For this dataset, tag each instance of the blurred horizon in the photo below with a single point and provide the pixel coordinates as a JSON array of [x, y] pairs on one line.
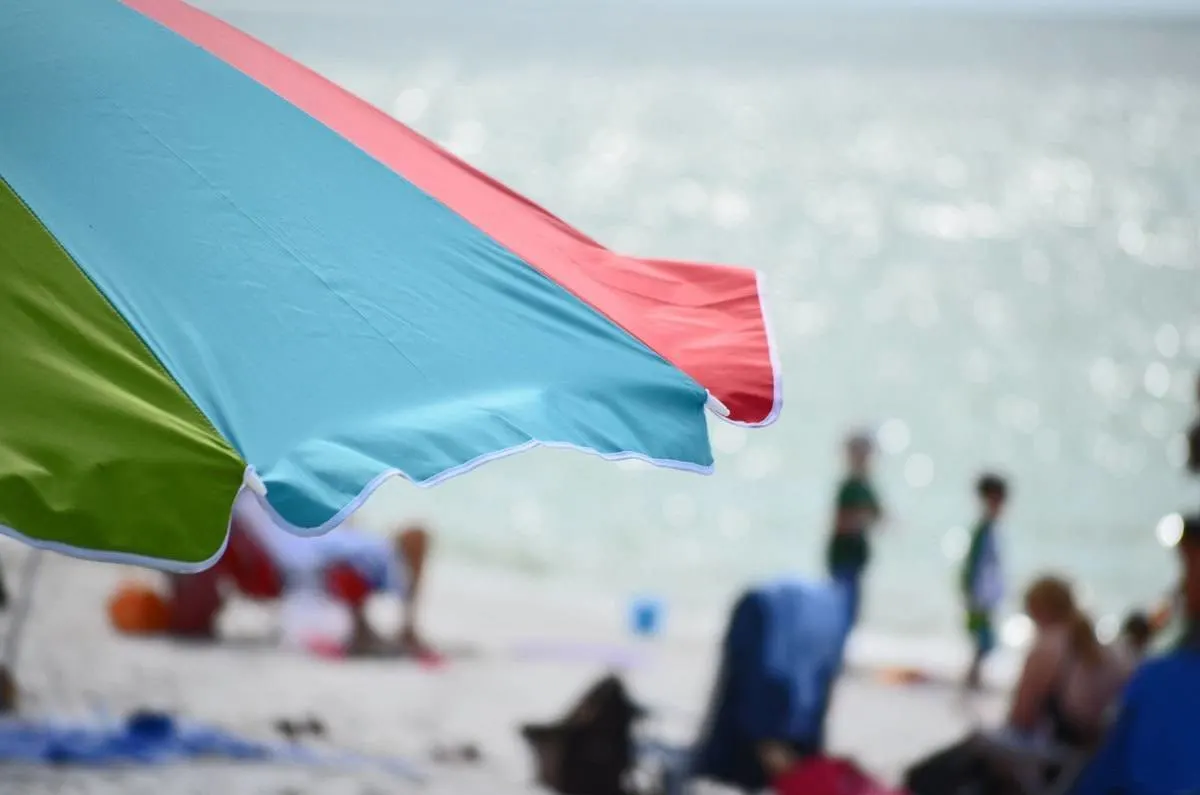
[[992, 7]]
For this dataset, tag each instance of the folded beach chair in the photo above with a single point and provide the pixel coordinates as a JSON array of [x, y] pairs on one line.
[[781, 654]]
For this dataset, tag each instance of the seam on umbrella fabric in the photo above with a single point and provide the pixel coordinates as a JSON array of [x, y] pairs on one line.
[[141, 341]]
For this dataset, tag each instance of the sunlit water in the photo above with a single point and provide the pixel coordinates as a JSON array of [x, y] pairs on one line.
[[981, 239]]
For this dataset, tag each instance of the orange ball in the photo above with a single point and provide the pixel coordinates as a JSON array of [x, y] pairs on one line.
[[137, 609]]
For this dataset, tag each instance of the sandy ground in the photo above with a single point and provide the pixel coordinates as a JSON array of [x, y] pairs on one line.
[[72, 664]]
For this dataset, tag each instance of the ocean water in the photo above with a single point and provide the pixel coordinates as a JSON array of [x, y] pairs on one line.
[[980, 236]]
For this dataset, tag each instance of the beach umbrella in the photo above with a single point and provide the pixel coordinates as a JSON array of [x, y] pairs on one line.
[[222, 272]]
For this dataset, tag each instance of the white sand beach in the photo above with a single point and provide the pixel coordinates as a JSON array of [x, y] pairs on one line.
[[72, 663]]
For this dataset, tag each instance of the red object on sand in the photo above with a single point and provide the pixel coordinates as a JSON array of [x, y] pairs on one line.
[[250, 568], [194, 603], [431, 660], [826, 776], [196, 598], [326, 649], [345, 584]]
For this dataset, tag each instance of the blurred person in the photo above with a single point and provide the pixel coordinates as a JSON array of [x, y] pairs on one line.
[[1193, 437], [1133, 641], [1166, 610], [1069, 679], [1153, 748], [1060, 708], [857, 512], [264, 561], [982, 579]]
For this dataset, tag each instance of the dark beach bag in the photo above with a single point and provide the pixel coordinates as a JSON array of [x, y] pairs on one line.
[[956, 770], [590, 751]]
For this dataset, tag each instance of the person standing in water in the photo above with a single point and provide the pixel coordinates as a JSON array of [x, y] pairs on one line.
[[982, 581], [857, 512], [1193, 437]]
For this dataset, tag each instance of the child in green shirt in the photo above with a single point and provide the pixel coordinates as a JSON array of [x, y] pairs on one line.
[[981, 580], [857, 512]]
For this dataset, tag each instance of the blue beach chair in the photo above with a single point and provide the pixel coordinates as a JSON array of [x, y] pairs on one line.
[[781, 655]]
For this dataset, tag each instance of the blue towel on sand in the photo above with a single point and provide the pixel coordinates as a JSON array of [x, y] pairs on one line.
[[149, 738], [141, 739], [782, 652]]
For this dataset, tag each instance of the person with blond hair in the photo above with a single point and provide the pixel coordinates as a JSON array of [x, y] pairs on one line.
[[1069, 680], [1059, 711]]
